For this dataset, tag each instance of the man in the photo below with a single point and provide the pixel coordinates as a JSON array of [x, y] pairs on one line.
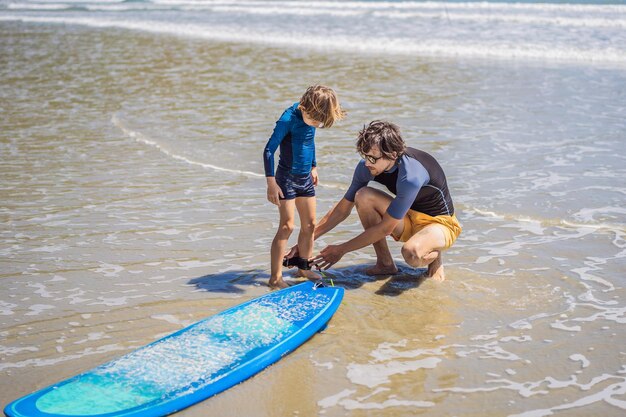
[[421, 214]]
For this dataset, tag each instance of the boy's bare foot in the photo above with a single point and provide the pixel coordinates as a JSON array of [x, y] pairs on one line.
[[435, 270], [381, 270], [278, 284], [308, 274]]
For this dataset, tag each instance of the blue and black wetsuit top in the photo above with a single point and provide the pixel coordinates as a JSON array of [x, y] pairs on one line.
[[297, 145], [417, 180]]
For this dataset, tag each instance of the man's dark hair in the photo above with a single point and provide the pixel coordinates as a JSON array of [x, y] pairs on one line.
[[385, 135]]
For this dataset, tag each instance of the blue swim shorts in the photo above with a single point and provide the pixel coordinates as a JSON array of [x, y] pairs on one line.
[[295, 185]]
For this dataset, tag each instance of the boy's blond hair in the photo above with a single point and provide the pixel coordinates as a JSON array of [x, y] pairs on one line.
[[322, 105]]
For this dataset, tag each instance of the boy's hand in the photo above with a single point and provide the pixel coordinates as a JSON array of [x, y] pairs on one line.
[[314, 176], [274, 193]]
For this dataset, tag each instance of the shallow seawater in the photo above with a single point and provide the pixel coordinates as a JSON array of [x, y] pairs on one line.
[[133, 204]]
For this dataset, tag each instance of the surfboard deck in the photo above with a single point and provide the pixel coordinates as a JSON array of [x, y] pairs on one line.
[[193, 363]]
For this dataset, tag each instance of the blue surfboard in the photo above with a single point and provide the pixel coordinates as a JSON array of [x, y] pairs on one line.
[[192, 364]]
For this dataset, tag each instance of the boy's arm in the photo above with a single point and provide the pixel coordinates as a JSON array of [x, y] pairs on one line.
[[315, 176], [274, 193], [280, 131]]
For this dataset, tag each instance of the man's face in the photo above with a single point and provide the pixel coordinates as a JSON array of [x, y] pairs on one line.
[[376, 162]]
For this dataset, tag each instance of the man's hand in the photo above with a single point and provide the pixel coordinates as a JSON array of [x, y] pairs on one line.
[[274, 193], [291, 253], [329, 256]]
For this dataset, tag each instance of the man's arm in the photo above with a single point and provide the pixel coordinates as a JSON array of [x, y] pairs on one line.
[[337, 214], [331, 254], [371, 234]]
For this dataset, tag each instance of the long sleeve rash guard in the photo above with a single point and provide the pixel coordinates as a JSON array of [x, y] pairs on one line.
[[297, 144]]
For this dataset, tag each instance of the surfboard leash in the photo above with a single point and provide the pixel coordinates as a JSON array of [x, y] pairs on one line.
[[332, 284], [303, 263]]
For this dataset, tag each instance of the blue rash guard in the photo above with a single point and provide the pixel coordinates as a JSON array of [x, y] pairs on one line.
[[417, 180], [297, 145]]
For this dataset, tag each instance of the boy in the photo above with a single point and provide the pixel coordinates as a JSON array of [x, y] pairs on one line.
[[292, 185]]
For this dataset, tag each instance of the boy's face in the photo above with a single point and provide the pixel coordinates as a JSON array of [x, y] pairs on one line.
[[311, 122], [376, 162]]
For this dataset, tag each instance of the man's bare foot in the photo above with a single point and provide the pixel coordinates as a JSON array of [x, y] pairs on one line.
[[435, 270], [381, 270], [278, 284], [308, 274]]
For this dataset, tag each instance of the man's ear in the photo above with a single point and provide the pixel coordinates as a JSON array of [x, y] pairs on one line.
[[395, 155]]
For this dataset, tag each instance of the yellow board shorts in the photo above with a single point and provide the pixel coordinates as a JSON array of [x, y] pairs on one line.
[[414, 221]]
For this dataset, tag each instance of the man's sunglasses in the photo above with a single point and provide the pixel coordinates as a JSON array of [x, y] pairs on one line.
[[371, 159]]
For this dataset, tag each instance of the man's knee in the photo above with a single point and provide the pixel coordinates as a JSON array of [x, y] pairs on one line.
[[416, 256], [363, 196], [411, 255], [369, 199]]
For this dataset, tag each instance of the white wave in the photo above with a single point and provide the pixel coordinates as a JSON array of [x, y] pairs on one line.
[[589, 214], [372, 375], [109, 270], [138, 136], [37, 309], [429, 47], [577, 357], [278, 10], [172, 319], [144, 139], [557, 20], [41, 7], [111, 6], [609, 16], [560, 326], [392, 402], [39, 362], [74, 1], [408, 5], [6, 351], [334, 399], [597, 226], [606, 394]]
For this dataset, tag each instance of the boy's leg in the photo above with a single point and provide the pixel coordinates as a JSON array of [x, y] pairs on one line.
[[279, 244], [424, 249], [371, 204], [306, 207]]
